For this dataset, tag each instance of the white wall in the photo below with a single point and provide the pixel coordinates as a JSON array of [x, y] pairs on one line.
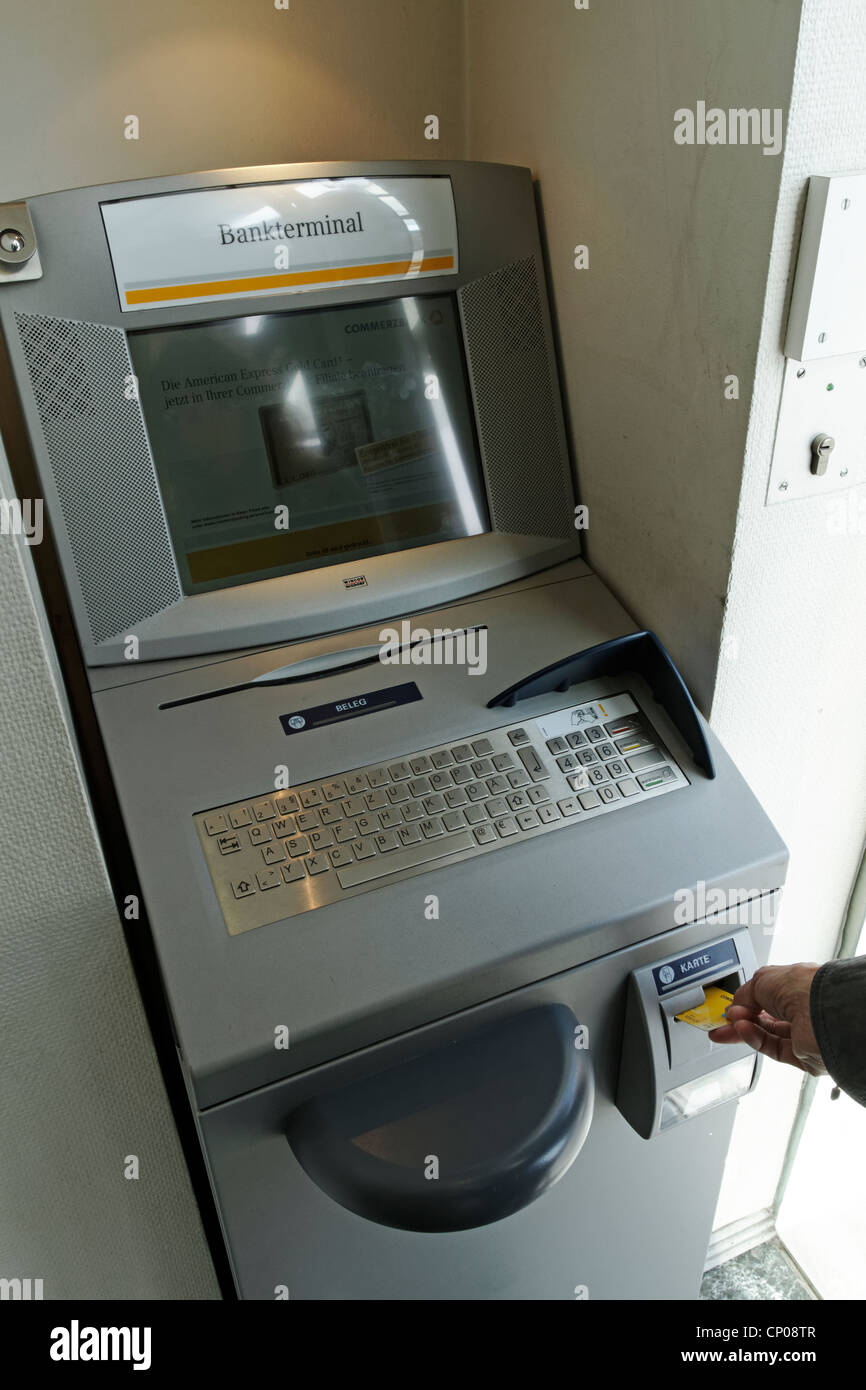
[[214, 84], [791, 691]]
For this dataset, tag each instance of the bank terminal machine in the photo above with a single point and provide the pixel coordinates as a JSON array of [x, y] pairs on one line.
[[433, 846]]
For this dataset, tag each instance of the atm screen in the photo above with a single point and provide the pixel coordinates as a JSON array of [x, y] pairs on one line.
[[285, 442]]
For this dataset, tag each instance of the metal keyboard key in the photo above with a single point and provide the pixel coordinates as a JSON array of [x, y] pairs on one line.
[[386, 840], [635, 744], [645, 760], [533, 764], [442, 759], [407, 858]]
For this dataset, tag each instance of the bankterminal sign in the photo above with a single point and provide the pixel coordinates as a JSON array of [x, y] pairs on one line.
[[230, 243]]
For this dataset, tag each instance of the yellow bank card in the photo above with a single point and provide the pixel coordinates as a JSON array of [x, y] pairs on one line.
[[710, 1014]]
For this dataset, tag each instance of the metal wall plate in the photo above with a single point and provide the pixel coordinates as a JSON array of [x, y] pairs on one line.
[[828, 302], [820, 397]]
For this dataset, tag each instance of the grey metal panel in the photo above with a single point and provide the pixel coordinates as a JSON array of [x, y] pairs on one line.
[[104, 677], [497, 226], [97, 447], [516, 400], [351, 974], [630, 1220]]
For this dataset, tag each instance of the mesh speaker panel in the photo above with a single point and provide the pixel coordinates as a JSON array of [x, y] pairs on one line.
[[516, 403], [100, 457]]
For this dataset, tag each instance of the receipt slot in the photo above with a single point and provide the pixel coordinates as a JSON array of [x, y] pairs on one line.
[[670, 1071]]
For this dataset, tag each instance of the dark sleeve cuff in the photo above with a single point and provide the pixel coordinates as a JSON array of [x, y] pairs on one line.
[[838, 1008]]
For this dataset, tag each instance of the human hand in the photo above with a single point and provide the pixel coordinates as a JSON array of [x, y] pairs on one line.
[[770, 1013]]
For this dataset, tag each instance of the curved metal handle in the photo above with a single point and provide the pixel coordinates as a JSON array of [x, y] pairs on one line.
[[638, 651], [459, 1136]]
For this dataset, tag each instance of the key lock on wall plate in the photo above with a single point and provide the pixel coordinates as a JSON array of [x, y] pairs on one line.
[[19, 256], [820, 442]]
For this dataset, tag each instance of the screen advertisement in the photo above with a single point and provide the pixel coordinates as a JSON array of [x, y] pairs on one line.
[[285, 442]]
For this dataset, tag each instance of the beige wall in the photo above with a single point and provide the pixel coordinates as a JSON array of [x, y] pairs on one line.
[[679, 241], [221, 83], [213, 84]]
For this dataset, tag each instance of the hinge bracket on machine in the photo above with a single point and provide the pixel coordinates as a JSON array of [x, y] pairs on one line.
[[638, 651]]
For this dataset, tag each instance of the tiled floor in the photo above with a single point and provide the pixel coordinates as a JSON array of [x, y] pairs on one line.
[[764, 1273]]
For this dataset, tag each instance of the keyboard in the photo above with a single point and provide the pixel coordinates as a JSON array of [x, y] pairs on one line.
[[282, 853]]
